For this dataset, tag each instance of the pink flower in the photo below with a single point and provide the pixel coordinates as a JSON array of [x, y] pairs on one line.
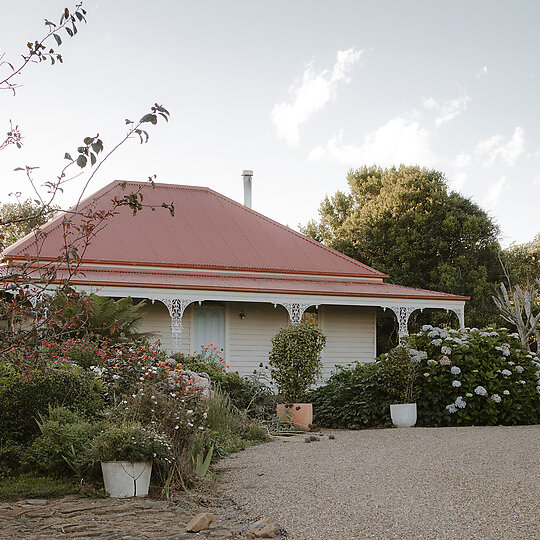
[[445, 361]]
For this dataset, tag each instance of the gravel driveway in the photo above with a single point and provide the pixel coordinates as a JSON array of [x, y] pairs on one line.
[[416, 483]]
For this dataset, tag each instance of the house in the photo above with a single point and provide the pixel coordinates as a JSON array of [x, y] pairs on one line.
[[219, 272]]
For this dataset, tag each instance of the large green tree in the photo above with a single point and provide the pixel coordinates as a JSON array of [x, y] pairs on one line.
[[19, 219], [522, 263], [407, 223]]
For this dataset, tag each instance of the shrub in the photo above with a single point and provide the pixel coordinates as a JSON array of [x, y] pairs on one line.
[[131, 442], [227, 429], [249, 394], [351, 398], [63, 446], [295, 361], [476, 377], [84, 353], [23, 397], [397, 372]]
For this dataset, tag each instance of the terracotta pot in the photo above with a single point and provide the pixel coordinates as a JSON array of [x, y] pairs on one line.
[[300, 414]]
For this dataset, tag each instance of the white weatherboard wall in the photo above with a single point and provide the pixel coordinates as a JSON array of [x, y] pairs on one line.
[[350, 335], [349, 330], [249, 339], [158, 321]]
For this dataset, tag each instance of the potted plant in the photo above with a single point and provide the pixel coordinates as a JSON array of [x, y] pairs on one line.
[[398, 370], [126, 453], [295, 363]]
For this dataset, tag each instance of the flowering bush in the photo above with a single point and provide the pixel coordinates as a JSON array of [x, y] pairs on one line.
[[476, 377], [83, 352], [131, 442]]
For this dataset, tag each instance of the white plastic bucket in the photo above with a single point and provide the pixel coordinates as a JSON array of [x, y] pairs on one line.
[[403, 414], [126, 479]]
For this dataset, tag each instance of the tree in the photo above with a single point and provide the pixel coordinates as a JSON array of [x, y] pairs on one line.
[[405, 222], [522, 263], [21, 219]]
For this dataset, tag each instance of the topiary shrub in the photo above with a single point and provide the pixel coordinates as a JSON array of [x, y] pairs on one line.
[[295, 361], [23, 397], [476, 377], [352, 398]]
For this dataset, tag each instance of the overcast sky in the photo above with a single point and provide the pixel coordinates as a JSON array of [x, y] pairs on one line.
[[298, 91]]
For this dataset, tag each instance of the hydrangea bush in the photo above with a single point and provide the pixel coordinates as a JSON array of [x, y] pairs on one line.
[[475, 377]]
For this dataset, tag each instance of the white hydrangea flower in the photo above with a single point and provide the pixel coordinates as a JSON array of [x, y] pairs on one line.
[[433, 333], [454, 370], [451, 408], [496, 398], [460, 402], [480, 391], [446, 350], [457, 340], [493, 334], [432, 362], [506, 372], [538, 389], [456, 384], [506, 392], [437, 342], [521, 381], [427, 328], [519, 369]]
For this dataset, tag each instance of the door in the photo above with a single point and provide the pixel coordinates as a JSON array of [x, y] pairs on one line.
[[209, 327]]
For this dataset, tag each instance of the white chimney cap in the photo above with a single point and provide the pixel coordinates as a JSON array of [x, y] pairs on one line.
[[247, 172]]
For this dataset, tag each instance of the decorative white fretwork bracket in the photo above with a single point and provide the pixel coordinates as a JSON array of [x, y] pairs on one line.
[[176, 307], [460, 312], [295, 310], [402, 315]]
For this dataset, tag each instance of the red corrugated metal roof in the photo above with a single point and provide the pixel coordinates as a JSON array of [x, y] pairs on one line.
[[208, 230], [241, 282]]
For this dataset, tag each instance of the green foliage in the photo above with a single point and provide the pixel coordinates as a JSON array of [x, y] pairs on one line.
[[476, 378], [407, 224], [227, 429], [23, 397], [131, 442], [397, 373], [63, 447], [201, 464], [522, 262], [32, 486], [295, 361], [351, 398], [95, 316], [248, 394], [19, 219]]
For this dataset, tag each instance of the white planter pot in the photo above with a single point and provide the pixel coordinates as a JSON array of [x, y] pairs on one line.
[[403, 414], [126, 479]]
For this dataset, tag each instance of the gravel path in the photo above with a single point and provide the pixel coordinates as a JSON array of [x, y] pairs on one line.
[[417, 483]]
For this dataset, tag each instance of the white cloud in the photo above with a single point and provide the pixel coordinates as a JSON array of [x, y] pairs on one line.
[[398, 141], [494, 148], [481, 72], [310, 94], [458, 180], [448, 109], [494, 193]]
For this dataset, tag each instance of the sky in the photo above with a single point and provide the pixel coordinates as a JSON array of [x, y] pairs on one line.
[[300, 92]]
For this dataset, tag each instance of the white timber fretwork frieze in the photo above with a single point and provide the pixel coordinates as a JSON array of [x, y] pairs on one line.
[[176, 307], [295, 310]]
